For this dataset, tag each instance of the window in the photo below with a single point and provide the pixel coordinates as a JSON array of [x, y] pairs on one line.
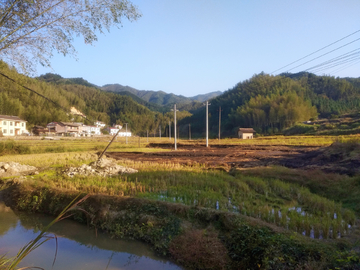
[[22, 124], [11, 131], [4, 131], [4, 122], [10, 123]]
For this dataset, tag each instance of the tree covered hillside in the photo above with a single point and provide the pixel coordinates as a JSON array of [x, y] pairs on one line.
[[272, 103], [94, 103]]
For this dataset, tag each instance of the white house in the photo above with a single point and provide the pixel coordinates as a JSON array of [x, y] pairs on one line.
[[123, 133], [112, 130], [246, 133], [12, 125], [90, 130], [99, 124]]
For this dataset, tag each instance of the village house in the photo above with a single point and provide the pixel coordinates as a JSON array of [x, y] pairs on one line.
[[12, 126], [64, 128], [90, 130], [246, 133], [39, 130], [114, 130], [99, 124]]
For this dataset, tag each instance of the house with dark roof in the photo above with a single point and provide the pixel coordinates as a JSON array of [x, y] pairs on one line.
[[12, 126], [246, 133], [64, 128]]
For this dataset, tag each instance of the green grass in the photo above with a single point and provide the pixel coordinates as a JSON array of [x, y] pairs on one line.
[[284, 204]]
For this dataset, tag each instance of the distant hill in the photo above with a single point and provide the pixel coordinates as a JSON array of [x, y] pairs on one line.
[[204, 97], [57, 79], [159, 97]]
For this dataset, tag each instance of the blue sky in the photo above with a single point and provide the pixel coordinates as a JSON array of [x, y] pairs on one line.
[[191, 47]]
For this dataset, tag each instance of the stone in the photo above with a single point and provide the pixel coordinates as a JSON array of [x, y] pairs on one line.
[[6, 166]]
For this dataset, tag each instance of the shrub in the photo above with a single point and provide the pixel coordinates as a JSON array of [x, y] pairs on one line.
[[11, 147]]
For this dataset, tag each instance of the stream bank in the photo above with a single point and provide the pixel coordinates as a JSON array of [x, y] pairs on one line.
[[197, 238]]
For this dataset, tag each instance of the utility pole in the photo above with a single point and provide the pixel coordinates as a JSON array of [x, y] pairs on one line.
[[219, 121], [169, 130], [160, 131], [207, 123], [175, 125], [126, 134], [189, 132]]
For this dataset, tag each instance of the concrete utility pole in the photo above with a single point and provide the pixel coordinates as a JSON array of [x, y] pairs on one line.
[[207, 123], [169, 130], [189, 132], [126, 135], [219, 121], [175, 125]]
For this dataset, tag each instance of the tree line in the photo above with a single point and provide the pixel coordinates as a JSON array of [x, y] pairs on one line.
[[270, 104]]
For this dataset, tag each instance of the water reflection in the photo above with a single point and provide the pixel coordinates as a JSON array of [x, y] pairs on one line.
[[78, 246]]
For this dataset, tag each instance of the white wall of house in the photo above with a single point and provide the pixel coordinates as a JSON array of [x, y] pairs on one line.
[[95, 130], [246, 135], [124, 134], [12, 127], [99, 124], [113, 131]]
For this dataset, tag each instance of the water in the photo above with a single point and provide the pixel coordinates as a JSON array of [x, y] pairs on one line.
[[78, 246]]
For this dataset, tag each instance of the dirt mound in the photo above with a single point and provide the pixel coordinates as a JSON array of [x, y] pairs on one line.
[[104, 167]]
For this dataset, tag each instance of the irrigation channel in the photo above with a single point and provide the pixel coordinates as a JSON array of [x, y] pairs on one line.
[[78, 246]]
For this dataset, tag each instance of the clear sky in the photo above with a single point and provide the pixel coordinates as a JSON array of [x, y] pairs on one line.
[[191, 47]]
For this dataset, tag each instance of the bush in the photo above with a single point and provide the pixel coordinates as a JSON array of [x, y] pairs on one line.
[[11, 147]]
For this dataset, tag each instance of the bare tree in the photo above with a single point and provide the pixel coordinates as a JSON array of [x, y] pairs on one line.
[[31, 30]]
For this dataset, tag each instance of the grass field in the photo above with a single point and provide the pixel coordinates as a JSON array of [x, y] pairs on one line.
[[312, 205]]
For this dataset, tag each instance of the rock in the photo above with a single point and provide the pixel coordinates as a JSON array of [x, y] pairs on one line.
[[104, 167], [5, 166]]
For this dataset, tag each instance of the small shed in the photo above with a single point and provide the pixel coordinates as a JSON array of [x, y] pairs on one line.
[[246, 133]]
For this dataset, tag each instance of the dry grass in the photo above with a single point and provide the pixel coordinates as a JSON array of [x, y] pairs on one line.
[[199, 248]]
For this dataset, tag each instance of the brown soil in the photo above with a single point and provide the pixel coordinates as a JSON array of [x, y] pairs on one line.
[[246, 156]]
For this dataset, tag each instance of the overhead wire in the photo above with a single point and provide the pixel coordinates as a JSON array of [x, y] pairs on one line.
[[48, 99], [345, 67], [335, 59], [315, 51], [324, 54]]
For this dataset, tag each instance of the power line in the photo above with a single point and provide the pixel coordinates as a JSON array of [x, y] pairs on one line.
[[350, 54], [349, 65], [337, 64], [48, 99], [324, 54], [315, 51]]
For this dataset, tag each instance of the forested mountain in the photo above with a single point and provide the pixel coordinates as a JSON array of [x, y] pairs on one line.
[[270, 104], [205, 97], [94, 103], [160, 97], [57, 79], [267, 103]]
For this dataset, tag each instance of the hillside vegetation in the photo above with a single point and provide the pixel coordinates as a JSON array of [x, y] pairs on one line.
[[65, 93], [271, 104]]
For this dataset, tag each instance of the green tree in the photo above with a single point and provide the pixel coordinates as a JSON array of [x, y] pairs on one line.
[[30, 30]]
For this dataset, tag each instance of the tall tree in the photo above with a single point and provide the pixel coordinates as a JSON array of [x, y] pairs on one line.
[[30, 30]]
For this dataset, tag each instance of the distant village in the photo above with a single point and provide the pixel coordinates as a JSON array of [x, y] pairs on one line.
[[14, 126]]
